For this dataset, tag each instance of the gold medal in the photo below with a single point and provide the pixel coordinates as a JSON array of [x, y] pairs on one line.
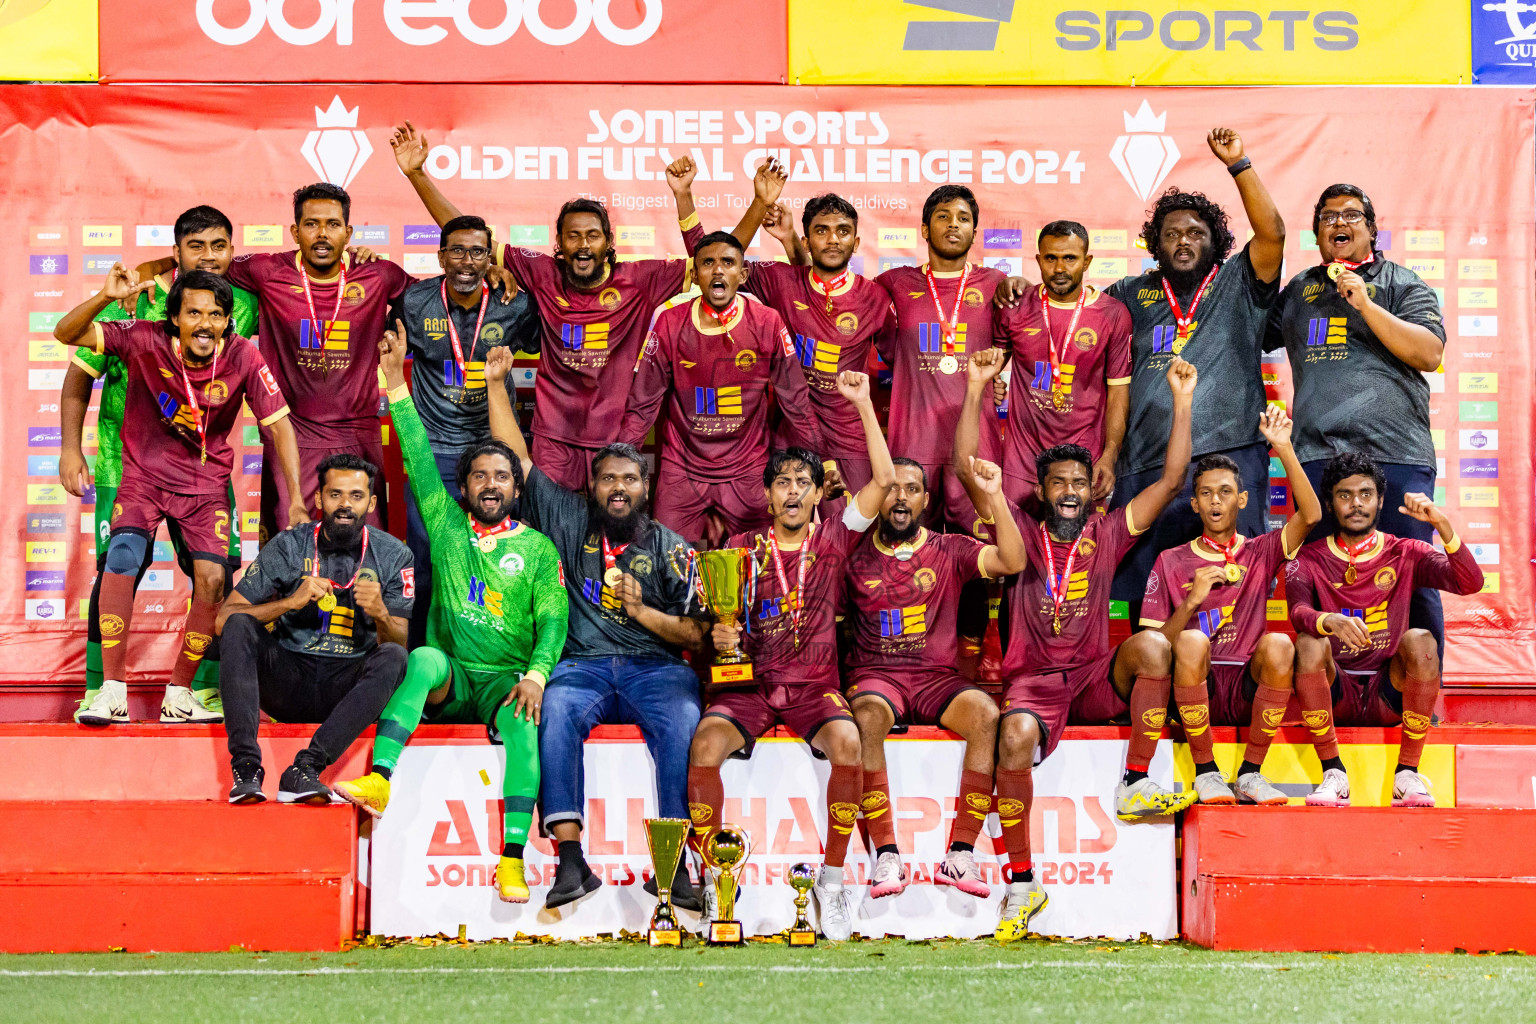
[[1060, 400], [903, 552], [949, 365], [1055, 625], [830, 308], [1349, 575], [327, 603], [487, 543], [613, 576], [1334, 270], [1234, 572]]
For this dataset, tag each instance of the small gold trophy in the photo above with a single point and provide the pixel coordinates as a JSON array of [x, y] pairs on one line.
[[723, 575], [725, 849], [801, 878], [666, 838]]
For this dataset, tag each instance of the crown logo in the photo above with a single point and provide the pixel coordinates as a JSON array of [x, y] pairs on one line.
[[336, 149], [1141, 121], [338, 116]]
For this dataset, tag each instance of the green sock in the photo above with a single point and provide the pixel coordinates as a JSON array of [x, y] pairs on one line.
[[207, 677], [93, 675], [520, 779], [426, 670]]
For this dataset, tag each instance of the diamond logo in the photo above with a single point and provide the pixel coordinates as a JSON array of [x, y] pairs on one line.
[[1144, 155], [336, 149]]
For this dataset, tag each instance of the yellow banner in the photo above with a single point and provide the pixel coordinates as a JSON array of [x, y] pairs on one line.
[[1147, 42], [48, 40]]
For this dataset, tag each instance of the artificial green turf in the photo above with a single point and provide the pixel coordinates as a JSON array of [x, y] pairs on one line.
[[888, 981]]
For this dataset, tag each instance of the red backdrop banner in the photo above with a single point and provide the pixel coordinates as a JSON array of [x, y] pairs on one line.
[[443, 41], [97, 174]]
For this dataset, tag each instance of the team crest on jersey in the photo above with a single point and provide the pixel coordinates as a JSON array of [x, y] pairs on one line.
[[609, 298], [1386, 578], [847, 323], [355, 293], [925, 579], [492, 334], [367, 575], [745, 360], [511, 563], [1086, 547], [1152, 583], [974, 298], [216, 392], [1085, 339], [641, 565]]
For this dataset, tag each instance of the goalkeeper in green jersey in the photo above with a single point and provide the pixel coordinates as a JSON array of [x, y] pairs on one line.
[[203, 241], [497, 627]]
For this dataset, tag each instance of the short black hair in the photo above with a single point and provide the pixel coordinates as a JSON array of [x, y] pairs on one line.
[[1173, 201], [347, 462], [1354, 192], [324, 191], [902, 460], [720, 238], [201, 218], [199, 281], [827, 202], [620, 450], [779, 458], [948, 193], [596, 208], [463, 222], [487, 446], [1351, 463], [1062, 453], [1213, 462], [1063, 229]]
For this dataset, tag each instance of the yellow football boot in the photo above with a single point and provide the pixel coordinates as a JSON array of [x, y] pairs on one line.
[[371, 793], [510, 885]]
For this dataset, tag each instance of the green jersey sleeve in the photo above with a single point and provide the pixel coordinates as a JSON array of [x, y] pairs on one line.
[[421, 466], [551, 611]]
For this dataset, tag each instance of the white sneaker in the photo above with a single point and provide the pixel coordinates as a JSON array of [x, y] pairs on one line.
[[834, 908], [109, 705], [1212, 788], [890, 878], [1410, 789], [959, 870], [179, 706], [1333, 791], [1254, 788]]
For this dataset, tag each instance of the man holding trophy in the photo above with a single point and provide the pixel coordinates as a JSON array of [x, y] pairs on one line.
[[795, 578]]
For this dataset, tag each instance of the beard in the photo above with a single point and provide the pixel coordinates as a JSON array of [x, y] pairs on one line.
[[1067, 528], [891, 536], [1185, 282], [340, 535], [618, 529], [507, 508]]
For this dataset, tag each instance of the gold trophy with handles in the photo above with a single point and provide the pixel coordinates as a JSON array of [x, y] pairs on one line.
[[724, 576], [801, 878], [725, 850], [666, 838]]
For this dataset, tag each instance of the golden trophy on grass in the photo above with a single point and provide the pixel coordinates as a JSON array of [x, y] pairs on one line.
[[725, 850], [724, 576], [801, 878], [667, 838]]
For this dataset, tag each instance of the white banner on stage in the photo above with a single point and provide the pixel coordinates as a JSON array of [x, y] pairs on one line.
[[434, 852]]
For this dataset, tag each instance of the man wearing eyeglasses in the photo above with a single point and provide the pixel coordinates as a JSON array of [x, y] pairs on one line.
[[451, 323], [1361, 333]]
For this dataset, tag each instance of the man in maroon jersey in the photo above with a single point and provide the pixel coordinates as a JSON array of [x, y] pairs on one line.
[[1058, 662], [1357, 661], [712, 361], [793, 645], [1070, 348], [321, 317], [1210, 598], [904, 587], [188, 377], [595, 312]]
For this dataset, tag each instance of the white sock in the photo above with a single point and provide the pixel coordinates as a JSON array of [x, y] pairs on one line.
[[1018, 888], [831, 875], [118, 683]]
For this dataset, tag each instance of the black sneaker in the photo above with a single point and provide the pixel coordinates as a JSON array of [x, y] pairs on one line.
[[684, 895], [573, 880], [247, 788], [301, 783]]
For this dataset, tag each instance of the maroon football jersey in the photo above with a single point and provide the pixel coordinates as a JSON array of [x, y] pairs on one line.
[[904, 611], [328, 365], [771, 641], [1084, 609], [925, 401], [826, 343], [1233, 615], [591, 338], [713, 383], [1386, 575], [1098, 355], [160, 437]]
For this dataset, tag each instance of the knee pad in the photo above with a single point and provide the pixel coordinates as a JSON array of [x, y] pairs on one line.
[[125, 553]]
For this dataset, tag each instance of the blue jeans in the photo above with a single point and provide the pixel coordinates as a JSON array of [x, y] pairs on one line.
[[659, 695], [421, 549], [1425, 610]]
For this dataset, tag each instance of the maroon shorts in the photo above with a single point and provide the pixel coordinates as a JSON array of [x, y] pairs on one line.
[[1366, 699], [916, 698], [805, 708], [684, 504], [203, 519], [1231, 688], [274, 488], [569, 465], [1082, 696]]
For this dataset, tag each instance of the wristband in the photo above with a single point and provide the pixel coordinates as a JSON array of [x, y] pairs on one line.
[[537, 677], [400, 393], [1239, 167], [1323, 630], [1453, 545]]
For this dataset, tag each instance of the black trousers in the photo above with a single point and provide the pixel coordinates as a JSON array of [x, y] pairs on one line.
[[345, 695]]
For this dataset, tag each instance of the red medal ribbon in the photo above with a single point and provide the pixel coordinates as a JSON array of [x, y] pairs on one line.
[[1056, 586], [1225, 550], [611, 554], [1356, 550], [1351, 264], [341, 291], [197, 412], [724, 319], [828, 287], [360, 556], [1179, 316], [1059, 355], [794, 607], [481, 531], [948, 324], [453, 332]]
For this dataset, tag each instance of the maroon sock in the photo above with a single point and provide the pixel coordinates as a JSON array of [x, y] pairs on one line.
[[1149, 709], [195, 640], [1418, 705], [115, 609], [706, 795], [879, 818], [1317, 712], [971, 810], [843, 791], [1015, 796], [1195, 714], [1268, 710]]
